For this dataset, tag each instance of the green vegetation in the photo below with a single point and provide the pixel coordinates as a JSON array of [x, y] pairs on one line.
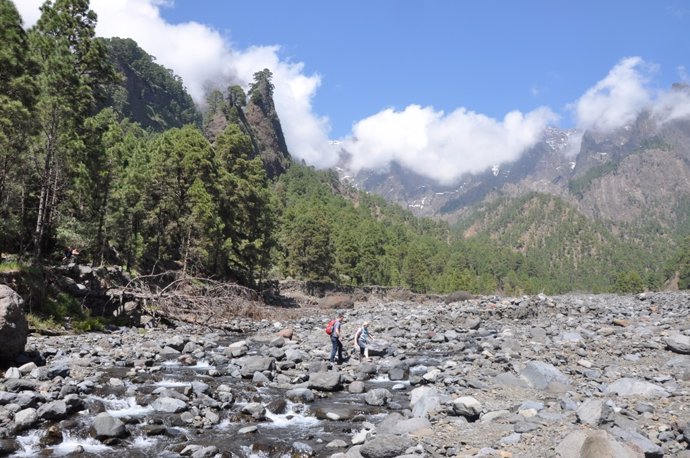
[[654, 143], [147, 93], [578, 185]]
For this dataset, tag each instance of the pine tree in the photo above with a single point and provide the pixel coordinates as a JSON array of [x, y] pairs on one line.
[[18, 93], [73, 66], [248, 207], [179, 183]]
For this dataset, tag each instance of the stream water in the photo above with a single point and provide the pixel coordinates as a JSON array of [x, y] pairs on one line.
[[296, 429]]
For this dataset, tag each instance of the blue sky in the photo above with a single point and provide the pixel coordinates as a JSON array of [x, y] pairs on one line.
[[488, 56], [444, 87]]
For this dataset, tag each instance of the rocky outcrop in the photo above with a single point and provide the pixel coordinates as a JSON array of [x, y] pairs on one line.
[[266, 128], [13, 325]]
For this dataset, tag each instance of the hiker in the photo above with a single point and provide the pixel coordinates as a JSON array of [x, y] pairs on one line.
[[362, 336], [67, 254], [335, 339]]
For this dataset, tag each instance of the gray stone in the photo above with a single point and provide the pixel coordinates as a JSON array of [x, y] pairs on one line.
[[16, 385], [25, 419], [593, 443], [13, 372], [58, 369], [396, 424], [356, 387], [325, 381], [468, 407], [511, 439], [27, 368], [8, 446], [255, 409], [377, 397], [14, 329], [525, 426], [539, 375], [633, 387], [637, 440], [386, 446], [176, 342], [425, 400], [300, 395], [105, 426], [679, 361], [169, 405], [593, 412], [678, 343], [400, 370], [295, 355], [54, 410], [253, 364]]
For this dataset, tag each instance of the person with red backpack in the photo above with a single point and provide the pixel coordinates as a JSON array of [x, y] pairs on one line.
[[334, 326]]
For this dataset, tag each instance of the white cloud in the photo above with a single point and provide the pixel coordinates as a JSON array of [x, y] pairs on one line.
[[202, 57], [617, 99], [624, 93], [442, 146], [683, 74], [672, 105], [439, 145]]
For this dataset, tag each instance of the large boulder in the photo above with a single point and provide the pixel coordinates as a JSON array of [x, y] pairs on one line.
[[14, 328]]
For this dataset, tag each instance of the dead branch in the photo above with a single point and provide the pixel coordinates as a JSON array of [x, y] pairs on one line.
[[201, 301]]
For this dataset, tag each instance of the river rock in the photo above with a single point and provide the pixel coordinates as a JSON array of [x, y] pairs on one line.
[[169, 405], [539, 375], [638, 441], [678, 343], [26, 418], [8, 446], [54, 410], [593, 443], [593, 412], [396, 424], [468, 407], [106, 427], [633, 387], [386, 446], [503, 363], [325, 381], [377, 397], [14, 328], [300, 395], [425, 400], [253, 364]]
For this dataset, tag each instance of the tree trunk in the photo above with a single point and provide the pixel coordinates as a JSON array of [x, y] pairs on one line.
[[43, 215], [100, 242]]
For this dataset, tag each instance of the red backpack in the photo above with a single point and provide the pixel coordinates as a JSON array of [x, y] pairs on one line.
[[329, 327]]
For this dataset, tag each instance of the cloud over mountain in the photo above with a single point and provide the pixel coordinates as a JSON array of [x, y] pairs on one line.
[[440, 145], [443, 146]]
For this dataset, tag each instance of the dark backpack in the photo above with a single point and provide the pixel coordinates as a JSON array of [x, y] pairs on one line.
[[329, 327]]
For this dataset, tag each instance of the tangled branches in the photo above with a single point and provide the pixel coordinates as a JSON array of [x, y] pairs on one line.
[[201, 301]]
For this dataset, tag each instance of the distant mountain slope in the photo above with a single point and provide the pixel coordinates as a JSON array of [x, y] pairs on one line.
[[149, 93], [634, 175], [622, 199]]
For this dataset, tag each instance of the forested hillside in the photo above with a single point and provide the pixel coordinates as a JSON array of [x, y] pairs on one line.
[[102, 149]]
